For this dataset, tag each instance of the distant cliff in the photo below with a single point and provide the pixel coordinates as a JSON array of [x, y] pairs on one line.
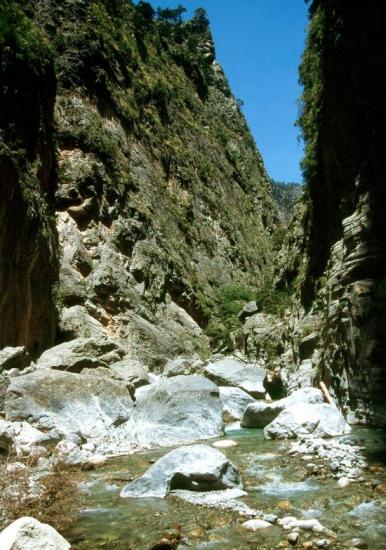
[[286, 196]]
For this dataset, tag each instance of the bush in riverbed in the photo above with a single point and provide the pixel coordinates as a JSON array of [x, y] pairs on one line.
[[50, 500]]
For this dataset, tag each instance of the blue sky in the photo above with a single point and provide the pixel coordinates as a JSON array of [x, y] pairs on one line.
[[259, 44]]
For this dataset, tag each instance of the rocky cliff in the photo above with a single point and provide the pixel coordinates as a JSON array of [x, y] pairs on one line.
[[337, 243], [123, 123]]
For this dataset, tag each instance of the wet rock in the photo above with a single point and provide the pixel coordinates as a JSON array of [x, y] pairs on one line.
[[29, 534], [76, 405], [359, 543], [293, 538], [230, 371], [305, 524], [195, 467], [381, 488], [322, 543], [177, 409], [234, 401], [320, 420], [14, 358], [272, 518], [81, 353], [260, 414], [256, 524]]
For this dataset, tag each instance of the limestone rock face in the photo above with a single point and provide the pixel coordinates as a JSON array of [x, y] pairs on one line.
[[29, 534], [177, 409], [195, 468], [74, 405], [260, 413], [81, 353], [230, 371], [318, 420]]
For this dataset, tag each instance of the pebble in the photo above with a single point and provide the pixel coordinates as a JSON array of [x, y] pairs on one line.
[[381, 488], [272, 518], [343, 482], [284, 505], [293, 538], [322, 543], [359, 543], [224, 444], [256, 524], [308, 545]]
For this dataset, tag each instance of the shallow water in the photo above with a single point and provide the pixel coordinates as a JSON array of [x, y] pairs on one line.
[[274, 482]]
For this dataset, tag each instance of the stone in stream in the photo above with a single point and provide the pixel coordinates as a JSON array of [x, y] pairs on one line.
[[260, 413], [230, 371], [75, 355], [256, 524], [318, 420], [76, 406], [176, 410], [195, 467], [234, 401], [224, 444], [27, 533]]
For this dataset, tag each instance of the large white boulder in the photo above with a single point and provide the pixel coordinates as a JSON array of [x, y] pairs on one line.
[[29, 534], [76, 405], [195, 468], [176, 410], [318, 420], [230, 371], [261, 413]]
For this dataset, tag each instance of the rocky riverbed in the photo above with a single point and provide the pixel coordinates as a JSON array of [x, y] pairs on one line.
[[174, 460], [294, 503]]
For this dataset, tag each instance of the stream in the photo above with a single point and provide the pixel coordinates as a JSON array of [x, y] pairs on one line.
[[275, 483]]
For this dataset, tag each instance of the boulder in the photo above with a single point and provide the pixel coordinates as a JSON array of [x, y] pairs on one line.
[[234, 401], [75, 355], [177, 409], [131, 371], [260, 413], [76, 405], [230, 371], [29, 534], [178, 366], [194, 468], [14, 358], [316, 419]]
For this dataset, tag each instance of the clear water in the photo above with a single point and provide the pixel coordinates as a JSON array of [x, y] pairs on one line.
[[274, 482]]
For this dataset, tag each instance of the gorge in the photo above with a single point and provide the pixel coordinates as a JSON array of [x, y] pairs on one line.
[[156, 294]]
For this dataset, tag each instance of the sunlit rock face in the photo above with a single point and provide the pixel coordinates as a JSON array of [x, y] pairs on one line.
[[159, 191]]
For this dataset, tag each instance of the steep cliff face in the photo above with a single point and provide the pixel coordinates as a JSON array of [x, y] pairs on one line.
[[338, 259], [28, 266], [161, 196]]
